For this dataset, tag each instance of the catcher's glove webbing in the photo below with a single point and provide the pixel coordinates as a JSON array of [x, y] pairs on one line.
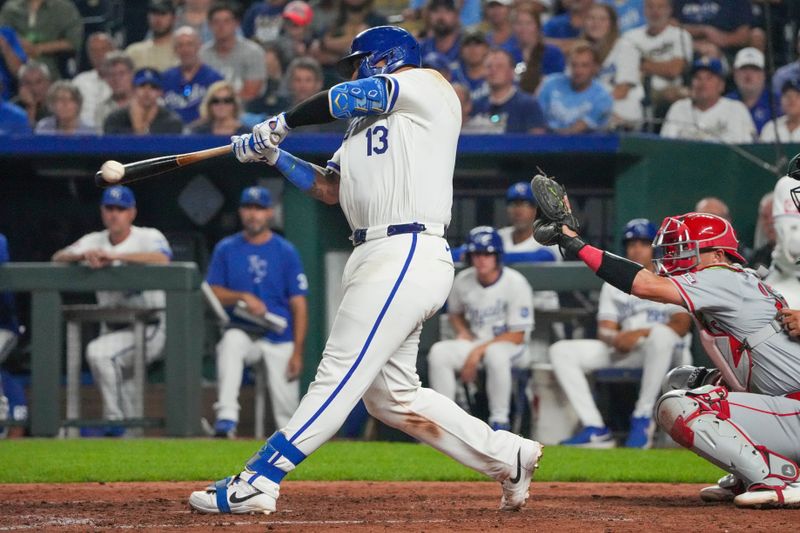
[[553, 213]]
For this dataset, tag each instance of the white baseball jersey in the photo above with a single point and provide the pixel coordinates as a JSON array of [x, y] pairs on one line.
[[734, 304], [505, 305], [727, 121], [631, 312], [140, 240], [621, 66], [784, 135], [671, 43], [787, 231], [398, 168]]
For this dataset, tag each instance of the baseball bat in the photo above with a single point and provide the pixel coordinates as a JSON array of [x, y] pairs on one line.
[[148, 168]]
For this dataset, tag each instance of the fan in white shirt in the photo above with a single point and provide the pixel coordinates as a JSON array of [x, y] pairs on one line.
[[786, 129]]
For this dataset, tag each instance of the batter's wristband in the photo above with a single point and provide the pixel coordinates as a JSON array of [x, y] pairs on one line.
[[299, 172]]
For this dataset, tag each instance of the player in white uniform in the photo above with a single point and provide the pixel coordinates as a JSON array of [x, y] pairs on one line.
[[392, 177], [743, 415], [784, 272], [110, 355], [632, 333], [491, 311]]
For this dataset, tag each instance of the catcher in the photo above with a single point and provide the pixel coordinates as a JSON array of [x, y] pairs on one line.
[[744, 415]]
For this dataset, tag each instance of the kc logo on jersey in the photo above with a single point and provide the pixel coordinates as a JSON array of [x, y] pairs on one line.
[[258, 268]]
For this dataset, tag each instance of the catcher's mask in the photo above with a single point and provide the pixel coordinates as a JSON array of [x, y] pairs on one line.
[[680, 240]]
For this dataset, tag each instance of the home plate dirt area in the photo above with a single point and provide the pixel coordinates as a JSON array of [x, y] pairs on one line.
[[371, 506]]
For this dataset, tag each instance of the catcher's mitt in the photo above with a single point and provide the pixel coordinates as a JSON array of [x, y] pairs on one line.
[[553, 207]]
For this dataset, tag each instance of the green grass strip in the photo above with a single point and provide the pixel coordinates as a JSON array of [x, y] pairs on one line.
[[64, 461]]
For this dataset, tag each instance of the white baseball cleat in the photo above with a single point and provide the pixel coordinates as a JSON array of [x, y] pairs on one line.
[[726, 489], [765, 498], [233, 495], [515, 487]]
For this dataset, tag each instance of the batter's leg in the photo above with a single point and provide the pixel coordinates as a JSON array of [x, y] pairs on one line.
[[445, 359], [284, 395], [235, 350]]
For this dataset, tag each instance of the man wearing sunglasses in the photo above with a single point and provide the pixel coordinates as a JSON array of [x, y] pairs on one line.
[[110, 355]]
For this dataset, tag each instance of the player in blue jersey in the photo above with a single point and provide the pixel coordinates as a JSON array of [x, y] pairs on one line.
[[264, 271]]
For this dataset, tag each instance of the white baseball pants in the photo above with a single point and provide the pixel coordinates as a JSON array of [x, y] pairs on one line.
[[237, 349], [446, 358], [110, 358], [391, 286], [572, 360]]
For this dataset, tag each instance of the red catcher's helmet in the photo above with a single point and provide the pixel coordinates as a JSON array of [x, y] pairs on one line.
[[680, 240]]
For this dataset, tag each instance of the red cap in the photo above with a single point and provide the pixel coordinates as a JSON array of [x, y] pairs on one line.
[[298, 12]]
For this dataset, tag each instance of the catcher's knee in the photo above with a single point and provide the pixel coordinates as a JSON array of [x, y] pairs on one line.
[[673, 412]]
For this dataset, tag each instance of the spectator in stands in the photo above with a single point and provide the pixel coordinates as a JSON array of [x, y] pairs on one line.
[[220, 112], [239, 60], [717, 26], [785, 129], [51, 31], [498, 14], [564, 29], [90, 83], [787, 72], [440, 64], [117, 71], [263, 270], [34, 82], [274, 99], [619, 71], [144, 115], [575, 102], [296, 35], [12, 56], [445, 31], [157, 52], [714, 206], [185, 86], [630, 13], [13, 119], [491, 311], [194, 13], [469, 12], [64, 101], [263, 20], [110, 356], [631, 333], [505, 109], [353, 17], [471, 71], [535, 58], [666, 51], [751, 87], [706, 114], [462, 91]]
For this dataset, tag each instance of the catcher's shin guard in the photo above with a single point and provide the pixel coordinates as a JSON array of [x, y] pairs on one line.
[[699, 419]]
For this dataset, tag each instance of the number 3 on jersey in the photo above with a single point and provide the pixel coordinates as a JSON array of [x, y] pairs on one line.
[[377, 140]]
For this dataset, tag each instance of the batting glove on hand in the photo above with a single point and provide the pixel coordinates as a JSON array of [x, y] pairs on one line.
[[271, 132], [244, 150]]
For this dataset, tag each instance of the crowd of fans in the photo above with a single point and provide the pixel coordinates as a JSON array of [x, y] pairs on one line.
[[696, 69]]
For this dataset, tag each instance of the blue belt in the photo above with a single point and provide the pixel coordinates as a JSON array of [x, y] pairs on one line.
[[360, 235]]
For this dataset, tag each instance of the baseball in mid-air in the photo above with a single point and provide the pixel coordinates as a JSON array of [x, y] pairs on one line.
[[112, 171]]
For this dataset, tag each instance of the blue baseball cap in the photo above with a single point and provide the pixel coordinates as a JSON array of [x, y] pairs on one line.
[[520, 191], [713, 65], [147, 76], [256, 195], [119, 196]]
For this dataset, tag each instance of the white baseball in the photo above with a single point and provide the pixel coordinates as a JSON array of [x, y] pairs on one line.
[[112, 171]]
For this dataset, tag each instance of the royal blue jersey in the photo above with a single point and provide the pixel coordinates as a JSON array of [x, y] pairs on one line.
[[8, 314], [725, 15], [761, 110], [184, 97], [8, 79], [560, 27], [519, 114], [272, 271]]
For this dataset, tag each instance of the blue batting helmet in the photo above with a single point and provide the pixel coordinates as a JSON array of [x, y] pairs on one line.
[[484, 239], [520, 191], [391, 44], [639, 229]]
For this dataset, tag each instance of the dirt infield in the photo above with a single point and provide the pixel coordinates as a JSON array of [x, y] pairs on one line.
[[318, 506]]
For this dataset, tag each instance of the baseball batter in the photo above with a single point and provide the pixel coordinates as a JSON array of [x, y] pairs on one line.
[[491, 311], [632, 333], [743, 416], [110, 355], [392, 177], [264, 271]]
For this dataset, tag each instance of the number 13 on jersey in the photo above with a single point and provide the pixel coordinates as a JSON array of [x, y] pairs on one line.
[[377, 140]]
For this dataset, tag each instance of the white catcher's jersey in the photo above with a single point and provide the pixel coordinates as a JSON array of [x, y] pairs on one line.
[[631, 312], [505, 305], [140, 240], [397, 168], [735, 303]]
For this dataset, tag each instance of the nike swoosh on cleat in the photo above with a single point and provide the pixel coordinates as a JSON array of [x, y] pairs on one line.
[[512, 479], [237, 499]]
